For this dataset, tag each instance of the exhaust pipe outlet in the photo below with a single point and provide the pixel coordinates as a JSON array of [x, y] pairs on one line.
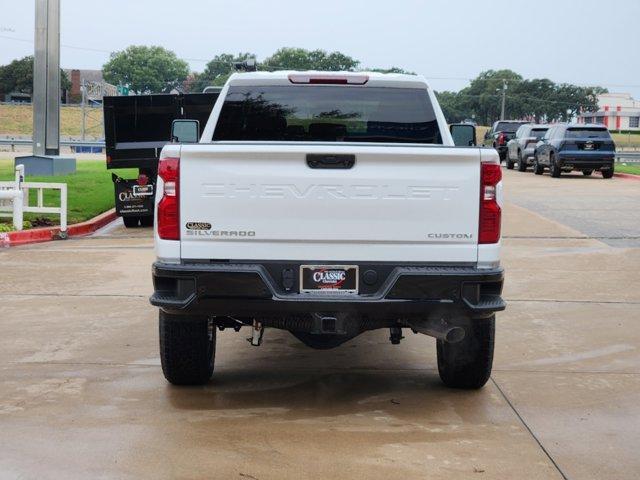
[[439, 329]]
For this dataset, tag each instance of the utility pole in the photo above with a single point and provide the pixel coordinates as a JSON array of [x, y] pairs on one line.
[[504, 97], [46, 79], [46, 96]]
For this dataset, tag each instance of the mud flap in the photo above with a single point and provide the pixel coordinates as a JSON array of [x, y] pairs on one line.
[[132, 199]]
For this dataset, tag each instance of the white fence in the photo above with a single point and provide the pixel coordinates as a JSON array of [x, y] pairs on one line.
[[14, 200]]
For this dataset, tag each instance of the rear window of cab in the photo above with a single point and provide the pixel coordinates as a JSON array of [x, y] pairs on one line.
[[327, 113]]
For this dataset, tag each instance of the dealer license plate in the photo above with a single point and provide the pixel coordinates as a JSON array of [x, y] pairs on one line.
[[329, 279]]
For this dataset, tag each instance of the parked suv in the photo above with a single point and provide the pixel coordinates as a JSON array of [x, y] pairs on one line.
[[500, 133], [567, 147], [521, 148]]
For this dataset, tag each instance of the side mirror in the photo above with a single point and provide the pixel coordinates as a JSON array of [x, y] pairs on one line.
[[464, 134], [185, 131]]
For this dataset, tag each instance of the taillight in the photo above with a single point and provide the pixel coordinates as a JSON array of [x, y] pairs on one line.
[[502, 139], [169, 206], [142, 179], [328, 79], [490, 212]]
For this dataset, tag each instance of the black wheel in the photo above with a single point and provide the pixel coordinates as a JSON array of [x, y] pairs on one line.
[[522, 163], [586, 173], [510, 164], [187, 348], [555, 168], [146, 221], [131, 222], [467, 364], [607, 173], [537, 168]]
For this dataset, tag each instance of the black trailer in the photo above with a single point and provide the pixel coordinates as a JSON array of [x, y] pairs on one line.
[[136, 128]]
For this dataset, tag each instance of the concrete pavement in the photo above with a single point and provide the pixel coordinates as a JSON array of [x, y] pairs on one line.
[[82, 394]]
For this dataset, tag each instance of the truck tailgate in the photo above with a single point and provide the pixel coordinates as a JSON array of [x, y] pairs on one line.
[[262, 201]]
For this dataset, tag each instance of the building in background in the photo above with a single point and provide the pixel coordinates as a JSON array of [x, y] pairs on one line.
[[76, 77], [617, 111]]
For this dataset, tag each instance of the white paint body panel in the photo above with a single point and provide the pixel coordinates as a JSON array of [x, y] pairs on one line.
[[398, 203]]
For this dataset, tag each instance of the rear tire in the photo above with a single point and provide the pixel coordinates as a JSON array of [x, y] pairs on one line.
[[467, 364], [146, 221], [510, 163], [607, 173], [555, 168], [522, 164], [537, 168], [187, 348], [131, 222], [586, 173]]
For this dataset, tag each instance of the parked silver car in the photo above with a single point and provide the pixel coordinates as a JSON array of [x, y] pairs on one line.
[[520, 149]]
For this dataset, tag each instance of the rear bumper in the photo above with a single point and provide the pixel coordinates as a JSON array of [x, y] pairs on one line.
[[267, 288], [584, 161]]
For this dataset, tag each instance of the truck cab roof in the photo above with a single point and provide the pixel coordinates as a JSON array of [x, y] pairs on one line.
[[363, 79]]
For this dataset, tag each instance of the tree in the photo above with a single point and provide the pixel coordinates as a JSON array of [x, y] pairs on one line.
[[539, 100], [483, 96], [146, 69], [17, 76], [301, 59], [452, 108], [572, 99], [535, 97], [218, 70]]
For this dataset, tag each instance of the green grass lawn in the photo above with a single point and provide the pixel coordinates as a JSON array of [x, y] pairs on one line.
[[89, 190], [633, 169]]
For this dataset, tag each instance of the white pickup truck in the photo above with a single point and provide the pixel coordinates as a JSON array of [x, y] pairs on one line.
[[327, 204]]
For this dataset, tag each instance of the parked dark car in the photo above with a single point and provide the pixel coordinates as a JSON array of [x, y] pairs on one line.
[[520, 149], [567, 147], [500, 133]]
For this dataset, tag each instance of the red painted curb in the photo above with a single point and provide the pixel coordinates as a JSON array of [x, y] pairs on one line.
[[46, 234], [627, 176], [90, 226]]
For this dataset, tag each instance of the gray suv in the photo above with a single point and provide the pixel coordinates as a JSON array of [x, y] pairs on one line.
[[521, 149]]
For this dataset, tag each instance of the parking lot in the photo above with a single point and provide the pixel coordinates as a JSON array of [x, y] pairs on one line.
[[82, 394]]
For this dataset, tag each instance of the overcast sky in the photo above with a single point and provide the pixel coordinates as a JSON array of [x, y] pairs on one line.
[[448, 41]]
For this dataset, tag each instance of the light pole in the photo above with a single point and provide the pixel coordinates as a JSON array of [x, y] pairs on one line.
[[46, 96], [46, 79], [504, 96]]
